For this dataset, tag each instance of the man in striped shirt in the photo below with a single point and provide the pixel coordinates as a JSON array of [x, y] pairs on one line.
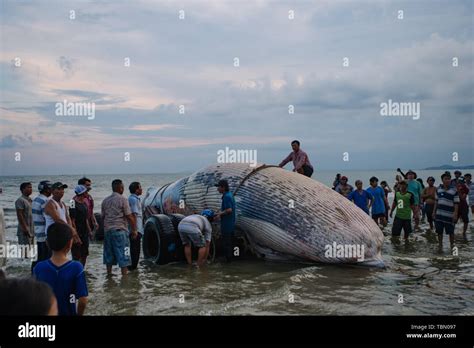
[[39, 221], [446, 209]]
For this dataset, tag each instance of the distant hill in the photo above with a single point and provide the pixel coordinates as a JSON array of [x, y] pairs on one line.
[[446, 166]]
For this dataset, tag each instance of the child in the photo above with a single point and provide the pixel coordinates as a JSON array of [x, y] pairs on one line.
[[65, 277]]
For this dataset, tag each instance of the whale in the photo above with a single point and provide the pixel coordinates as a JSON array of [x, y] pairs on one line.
[[283, 215]]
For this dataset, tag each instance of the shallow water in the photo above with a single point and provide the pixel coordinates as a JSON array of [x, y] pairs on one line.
[[429, 281]]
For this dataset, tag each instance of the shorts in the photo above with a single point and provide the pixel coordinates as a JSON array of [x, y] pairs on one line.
[[379, 215], [117, 248], [429, 212], [195, 238], [447, 226], [307, 171], [464, 213], [397, 226]]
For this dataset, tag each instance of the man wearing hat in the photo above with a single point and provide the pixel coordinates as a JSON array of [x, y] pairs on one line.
[[38, 205], [415, 188], [227, 216], [80, 220], [56, 211]]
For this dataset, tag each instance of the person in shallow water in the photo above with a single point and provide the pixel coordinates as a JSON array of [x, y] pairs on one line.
[[227, 216], [429, 198], [44, 188], [196, 230], [446, 209], [361, 197], [117, 217], [66, 277], [80, 221], [403, 202], [135, 203], [25, 230], [379, 203], [415, 188], [300, 160]]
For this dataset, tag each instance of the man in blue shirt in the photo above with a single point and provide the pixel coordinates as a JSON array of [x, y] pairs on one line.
[[227, 216], [136, 208], [379, 202], [361, 197], [64, 276]]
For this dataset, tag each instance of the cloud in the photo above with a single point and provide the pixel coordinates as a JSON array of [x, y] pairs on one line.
[[15, 141]]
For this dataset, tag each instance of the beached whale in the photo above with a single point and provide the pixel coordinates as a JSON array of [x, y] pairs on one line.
[[283, 216]]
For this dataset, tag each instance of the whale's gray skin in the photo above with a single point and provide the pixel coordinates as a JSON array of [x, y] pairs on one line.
[[284, 215]]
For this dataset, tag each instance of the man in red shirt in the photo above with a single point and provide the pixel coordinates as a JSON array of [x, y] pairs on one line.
[[300, 160]]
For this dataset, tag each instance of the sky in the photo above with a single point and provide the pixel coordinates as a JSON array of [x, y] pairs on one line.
[[335, 62]]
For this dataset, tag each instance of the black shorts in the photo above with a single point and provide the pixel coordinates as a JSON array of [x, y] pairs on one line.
[[380, 215], [447, 226], [307, 171], [398, 225], [429, 212]]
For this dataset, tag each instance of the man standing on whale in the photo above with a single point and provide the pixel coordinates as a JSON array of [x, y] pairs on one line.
[[300, 160]]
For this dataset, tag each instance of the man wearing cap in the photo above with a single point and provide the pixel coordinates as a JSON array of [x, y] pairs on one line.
[[25, 230], [429, 197], [80, 221], [446, 209], [300, 160], [415, 188], [196, 230], [56, 211], [44, 253], [344, 188], [89, 201], [227, 216]]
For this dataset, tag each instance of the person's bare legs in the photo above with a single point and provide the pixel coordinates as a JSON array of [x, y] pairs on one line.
[[451, 241], [187, 253], [124, 270], [207, 249], [201, 256], [109, 269]]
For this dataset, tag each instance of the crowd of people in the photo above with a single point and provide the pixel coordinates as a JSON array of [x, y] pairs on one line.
[[442, 206], [59, 229]]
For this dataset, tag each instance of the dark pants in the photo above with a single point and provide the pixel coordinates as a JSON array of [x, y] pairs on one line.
[[307, 171], [227, 246], [135, 251], [44, 253]]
